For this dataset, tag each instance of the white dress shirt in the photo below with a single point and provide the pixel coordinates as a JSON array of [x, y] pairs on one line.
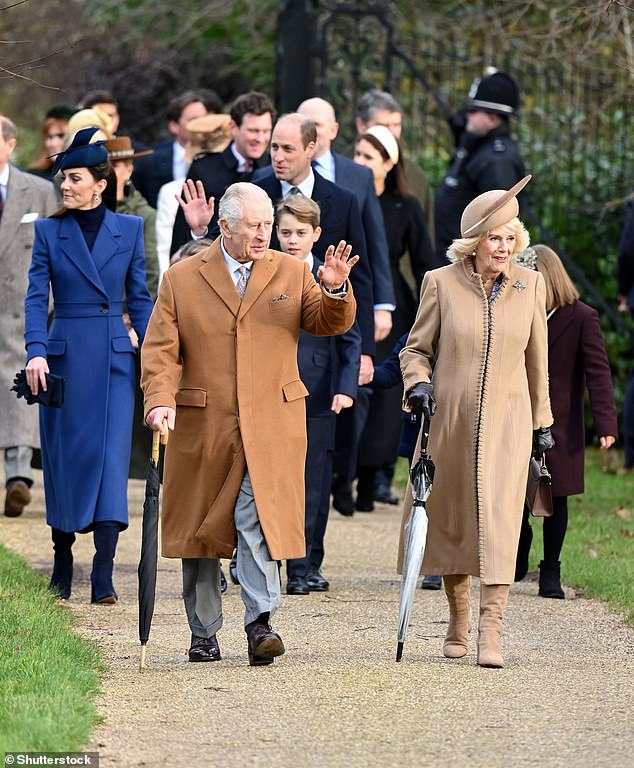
[[305, 187], [179, 162]]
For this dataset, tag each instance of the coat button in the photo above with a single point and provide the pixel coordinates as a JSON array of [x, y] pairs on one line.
[[104, 309]]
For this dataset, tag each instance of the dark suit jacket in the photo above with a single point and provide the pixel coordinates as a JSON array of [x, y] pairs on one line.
[[152, 171], [340, 220], [217, 171], [328, 365], [576, 360], [359, 180]]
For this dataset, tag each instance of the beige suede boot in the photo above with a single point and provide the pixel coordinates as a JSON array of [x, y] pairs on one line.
[[457, 589], [493, 599]]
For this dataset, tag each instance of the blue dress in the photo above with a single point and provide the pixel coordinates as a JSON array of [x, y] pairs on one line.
[[86, 442]]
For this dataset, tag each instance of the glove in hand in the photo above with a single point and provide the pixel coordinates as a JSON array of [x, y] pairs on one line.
[[421, 399], [543, 441], [54, 395]]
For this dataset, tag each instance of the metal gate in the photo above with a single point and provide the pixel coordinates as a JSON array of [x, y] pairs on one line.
[[574, 127]]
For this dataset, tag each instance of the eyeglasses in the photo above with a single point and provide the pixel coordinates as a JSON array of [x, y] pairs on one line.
[[56, 135]]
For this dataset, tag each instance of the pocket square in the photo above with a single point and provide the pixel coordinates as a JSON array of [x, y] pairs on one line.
[[281, 297], [29, 218], [54, 395]]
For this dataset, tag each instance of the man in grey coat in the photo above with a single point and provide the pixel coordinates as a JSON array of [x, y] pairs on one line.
[[23, 199]]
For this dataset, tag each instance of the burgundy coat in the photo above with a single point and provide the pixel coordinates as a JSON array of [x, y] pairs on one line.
[[576, 359]]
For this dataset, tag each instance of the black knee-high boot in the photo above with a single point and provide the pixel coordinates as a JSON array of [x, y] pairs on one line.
[[106, 536], [62, 576]]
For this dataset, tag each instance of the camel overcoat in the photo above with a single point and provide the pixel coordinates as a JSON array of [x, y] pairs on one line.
[[229, 367], [490, 377], [29, 198]]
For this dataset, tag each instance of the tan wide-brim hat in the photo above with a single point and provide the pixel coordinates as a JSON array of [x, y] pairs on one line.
[[209, 133], [491, 209], [120, 148]]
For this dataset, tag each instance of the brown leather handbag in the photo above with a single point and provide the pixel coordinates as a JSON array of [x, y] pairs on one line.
[[539, 495]]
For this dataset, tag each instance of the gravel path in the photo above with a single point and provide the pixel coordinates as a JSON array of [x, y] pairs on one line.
[[337, 698]]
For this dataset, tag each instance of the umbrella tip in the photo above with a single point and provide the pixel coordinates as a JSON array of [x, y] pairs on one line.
[[142, 662], [399, 651]]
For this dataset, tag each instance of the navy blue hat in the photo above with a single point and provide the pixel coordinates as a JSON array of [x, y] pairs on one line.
[[81, 153]]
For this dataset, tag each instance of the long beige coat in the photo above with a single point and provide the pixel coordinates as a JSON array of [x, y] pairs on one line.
[[491, 388], [230, 370], [28, 198]]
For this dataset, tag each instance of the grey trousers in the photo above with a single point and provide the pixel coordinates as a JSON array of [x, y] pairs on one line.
[[258, 574], [17, 462]]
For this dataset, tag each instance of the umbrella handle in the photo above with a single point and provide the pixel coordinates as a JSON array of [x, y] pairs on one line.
[[425, 435], [158, 438]]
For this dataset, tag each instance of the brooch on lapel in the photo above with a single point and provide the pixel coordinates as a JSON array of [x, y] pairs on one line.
[[281, 297], [519, 286]]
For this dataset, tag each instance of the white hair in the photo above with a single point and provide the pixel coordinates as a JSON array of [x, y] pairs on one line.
[[231, 203]]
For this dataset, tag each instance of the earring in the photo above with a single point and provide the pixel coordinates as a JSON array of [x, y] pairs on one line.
[[97, 196]]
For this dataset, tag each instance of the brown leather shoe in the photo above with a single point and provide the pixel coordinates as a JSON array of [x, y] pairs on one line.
[[18, 496], [264, 645], [204, 649]]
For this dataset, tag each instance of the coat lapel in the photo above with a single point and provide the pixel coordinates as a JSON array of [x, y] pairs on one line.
[[558, 323], [214, 271], [107, 242], [322, 194], [261, 274], [18, 203], [73, 246]]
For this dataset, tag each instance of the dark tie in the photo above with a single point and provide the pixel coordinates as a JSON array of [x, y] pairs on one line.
[[294, 191], [241, 285]]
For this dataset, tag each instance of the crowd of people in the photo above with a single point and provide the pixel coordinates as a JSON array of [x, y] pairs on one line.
[[285, 307]]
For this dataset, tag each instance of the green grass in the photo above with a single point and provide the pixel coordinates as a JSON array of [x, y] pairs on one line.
[[598, 552], [48, 674]]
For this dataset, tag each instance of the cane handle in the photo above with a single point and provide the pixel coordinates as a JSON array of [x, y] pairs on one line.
[[158, 438]]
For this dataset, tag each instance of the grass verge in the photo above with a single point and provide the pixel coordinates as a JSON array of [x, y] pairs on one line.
[[597, 557], [48, 674]]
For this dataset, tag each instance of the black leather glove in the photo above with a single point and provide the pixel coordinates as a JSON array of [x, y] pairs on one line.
[[421, 399], [543, 441]]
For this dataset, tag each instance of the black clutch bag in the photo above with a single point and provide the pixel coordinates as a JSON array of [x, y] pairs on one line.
[[539, 495], [54, 395]]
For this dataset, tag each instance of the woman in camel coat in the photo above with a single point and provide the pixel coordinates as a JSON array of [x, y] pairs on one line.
[[479, 347]]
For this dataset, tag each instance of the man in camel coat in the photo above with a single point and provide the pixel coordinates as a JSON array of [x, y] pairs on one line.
[[223, 371]]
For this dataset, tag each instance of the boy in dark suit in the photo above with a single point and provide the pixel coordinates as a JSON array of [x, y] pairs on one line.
[[329, 367]]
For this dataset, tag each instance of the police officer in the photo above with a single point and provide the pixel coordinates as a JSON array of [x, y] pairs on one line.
[[486, 157]]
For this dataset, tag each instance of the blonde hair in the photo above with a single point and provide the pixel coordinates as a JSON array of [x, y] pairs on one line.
[[560, 290], [87, 118], [466, 246]]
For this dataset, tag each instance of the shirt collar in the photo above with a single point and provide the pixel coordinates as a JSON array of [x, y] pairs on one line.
[[326, 166], [242, 161], [232, 264], [4, 176], [305, 187]]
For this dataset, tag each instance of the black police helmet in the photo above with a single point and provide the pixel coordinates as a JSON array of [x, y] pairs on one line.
[[497, 93]]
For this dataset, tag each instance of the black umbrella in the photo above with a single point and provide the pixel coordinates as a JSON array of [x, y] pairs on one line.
[[415, 535], [149, 545]]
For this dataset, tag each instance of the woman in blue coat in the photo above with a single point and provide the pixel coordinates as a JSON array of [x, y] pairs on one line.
[[91, 258]]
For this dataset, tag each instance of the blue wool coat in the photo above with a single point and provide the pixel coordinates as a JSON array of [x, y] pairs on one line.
[[86, 442]]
